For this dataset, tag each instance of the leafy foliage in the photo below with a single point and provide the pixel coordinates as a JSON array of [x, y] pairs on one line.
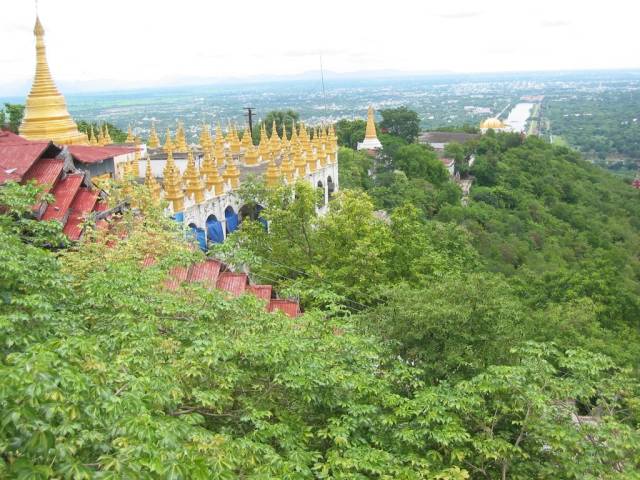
[[11, 116], [401, 122]]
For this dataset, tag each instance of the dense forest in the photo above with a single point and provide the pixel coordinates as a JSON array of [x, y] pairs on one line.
[[604, 126], [439, 341]]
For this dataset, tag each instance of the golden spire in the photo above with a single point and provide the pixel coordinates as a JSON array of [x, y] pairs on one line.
[[287, 168], [217, 181], [181, 140], [207, 168], [45, 115], [168, 144], [193, 182], [151, 182], [273, 174], [135, 163], [263, 146], [299, 163], [371, 125], [92, 136], [275, 138], [130, 138], [311, 159], [101, 140], [172, 185], [234, 141], [250, 154], [294, 135], [154, 141], [231, 173], [285, 142], [205, 138], [107, 136]]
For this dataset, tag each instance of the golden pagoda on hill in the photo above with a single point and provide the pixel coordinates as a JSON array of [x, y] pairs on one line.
[[46, 116]]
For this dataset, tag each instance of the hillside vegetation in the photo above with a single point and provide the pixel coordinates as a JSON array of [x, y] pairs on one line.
[[497, 340]]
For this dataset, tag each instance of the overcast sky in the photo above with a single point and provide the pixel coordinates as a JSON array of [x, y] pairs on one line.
[[131, 43]]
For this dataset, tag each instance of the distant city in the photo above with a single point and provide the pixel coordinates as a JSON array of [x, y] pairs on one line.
[[570, 101]]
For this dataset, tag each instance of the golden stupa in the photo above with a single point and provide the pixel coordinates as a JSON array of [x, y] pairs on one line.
[[46, 116]]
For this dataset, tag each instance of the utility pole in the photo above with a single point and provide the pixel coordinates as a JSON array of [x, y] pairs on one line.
[[250, 116]]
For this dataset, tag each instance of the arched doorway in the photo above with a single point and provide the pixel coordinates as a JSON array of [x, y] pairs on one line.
[[331, 187], [214, 229], [231, 218], [320, 193], [252, 212], [199, 236]]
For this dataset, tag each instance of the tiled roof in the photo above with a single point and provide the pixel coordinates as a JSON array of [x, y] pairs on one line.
[[93, 154], [45, 172], [261, 291], [81, 205], [206, 272], [234, 283], [64, 192], [177, 276], [17, 155], [288, 307]]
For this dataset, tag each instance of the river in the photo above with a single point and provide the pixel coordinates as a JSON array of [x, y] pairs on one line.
[[518, 116]]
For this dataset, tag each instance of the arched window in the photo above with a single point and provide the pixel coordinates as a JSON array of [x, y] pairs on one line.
[[252, 212], [331, 187], [198, 235], [214, 229], [231, 217]]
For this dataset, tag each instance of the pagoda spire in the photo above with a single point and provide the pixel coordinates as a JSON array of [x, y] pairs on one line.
[[107, 136], [151, 182], [172, 184], [154, 141], [130, 138], [92, 136], [192, 180], [231, 173], [168, 144], [45, 115], [371, 141], [287, 168], [273, 173]]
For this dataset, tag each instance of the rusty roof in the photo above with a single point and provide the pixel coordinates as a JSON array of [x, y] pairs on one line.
[[82, 204], [94, 154], [45, 172], [288, 307], [64, 192], [234, 283], [206, 272]]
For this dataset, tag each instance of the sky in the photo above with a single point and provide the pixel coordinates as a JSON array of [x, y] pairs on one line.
[[119, 44]]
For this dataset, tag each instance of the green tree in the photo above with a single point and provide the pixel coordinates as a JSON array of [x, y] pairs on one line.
[[281, 117], [419, 162], [401, 122], [350, 132], [12, 115]]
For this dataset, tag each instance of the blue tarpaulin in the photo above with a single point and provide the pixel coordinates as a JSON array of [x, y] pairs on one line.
[[199, 236], [232, 220], [178, 217], [214, 231]]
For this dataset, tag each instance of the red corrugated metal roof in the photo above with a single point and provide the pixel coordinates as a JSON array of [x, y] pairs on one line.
[[16, 159], [82, 204], [45, 171], [93, 154], [288, 307], [177, 276], [206, 272], [64, 192], [234, 283], [17, 155], [261, 291]]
